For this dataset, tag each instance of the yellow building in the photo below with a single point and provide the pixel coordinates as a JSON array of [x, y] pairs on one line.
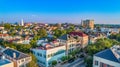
[[88, 24]]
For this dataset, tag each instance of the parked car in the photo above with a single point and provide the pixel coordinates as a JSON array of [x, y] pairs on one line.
[[71, 60]]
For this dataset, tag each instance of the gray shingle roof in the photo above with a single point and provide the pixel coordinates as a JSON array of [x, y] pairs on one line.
[[107, 54], [19, 55], [64, 37]]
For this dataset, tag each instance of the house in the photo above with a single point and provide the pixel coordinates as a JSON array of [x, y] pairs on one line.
[[107, 58], [48, 52], [112, 30], [19, 59], [95, 36], [4, 36], [74, 40], [1, 28]]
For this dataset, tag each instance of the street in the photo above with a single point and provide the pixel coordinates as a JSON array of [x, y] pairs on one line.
[[77, 63]]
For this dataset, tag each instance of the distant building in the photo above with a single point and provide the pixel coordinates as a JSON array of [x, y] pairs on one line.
[[22, 22], [1, 28], [59, 25], [107, 58], [89, 24]]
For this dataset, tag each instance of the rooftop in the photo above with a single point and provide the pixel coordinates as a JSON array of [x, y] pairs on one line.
[[48, 46], [4, 61], [10, 52], [112, 54], [107, 54], [64, 37], [77, 33]]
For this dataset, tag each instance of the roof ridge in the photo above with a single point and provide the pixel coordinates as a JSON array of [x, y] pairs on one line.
[[114, 54]]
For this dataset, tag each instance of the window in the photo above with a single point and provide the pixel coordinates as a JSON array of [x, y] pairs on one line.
[[44, 56], [19, 61], [105, 65], [33, 52], [37, 54], [40, 54], [48, 56], [52, 54], [96, 63], [22, 60]]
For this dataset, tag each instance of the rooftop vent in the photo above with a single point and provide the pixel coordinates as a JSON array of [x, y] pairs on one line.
[[14, 55]]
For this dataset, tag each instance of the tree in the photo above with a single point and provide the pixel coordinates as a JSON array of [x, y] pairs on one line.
[[89, 61], [64, 58], [115, 36], [42, 33], [54, 62], [118, 37], [100, 45], [23, 48], [58, 33], [33, 63], [7, 26], [33, 43]]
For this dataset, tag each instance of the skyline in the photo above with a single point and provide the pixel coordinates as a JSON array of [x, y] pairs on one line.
[[53, 11]]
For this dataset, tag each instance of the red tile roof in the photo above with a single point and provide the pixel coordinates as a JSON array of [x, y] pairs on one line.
[[4, 35], [78, 33]]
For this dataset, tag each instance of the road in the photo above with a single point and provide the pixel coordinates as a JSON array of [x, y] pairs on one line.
[[76, 62], [81, 65]]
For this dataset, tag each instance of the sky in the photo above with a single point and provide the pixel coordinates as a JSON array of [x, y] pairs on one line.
[[60, 11]]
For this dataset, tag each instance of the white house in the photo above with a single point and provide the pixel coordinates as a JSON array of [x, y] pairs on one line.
[[107, 58], [47, 53]]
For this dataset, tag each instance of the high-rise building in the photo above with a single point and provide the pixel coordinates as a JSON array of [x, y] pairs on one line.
[[59, 25], [88, 24]]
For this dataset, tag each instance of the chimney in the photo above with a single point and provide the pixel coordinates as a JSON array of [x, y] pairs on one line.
[[14, 55]]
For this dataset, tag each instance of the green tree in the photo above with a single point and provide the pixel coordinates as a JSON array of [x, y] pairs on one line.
[[42, 33], [58, 33], [33, 63], [7, 26], [54, 62], [89, 61], [64, 58], [33, 43], [118, 37]]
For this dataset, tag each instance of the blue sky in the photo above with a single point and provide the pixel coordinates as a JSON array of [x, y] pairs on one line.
[[53, 11]]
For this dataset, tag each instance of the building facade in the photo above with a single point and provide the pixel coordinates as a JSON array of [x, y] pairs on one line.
[[89, 24], [49, 52], [74, 40]]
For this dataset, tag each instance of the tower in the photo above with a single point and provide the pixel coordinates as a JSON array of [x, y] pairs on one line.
[[81, 22], [88, 24], [22, 22]]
